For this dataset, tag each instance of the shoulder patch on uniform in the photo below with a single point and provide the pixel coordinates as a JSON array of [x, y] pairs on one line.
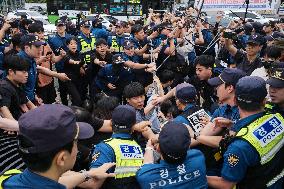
[[233, 160], [95, 156]]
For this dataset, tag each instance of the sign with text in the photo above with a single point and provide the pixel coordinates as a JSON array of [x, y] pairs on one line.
[[235, 4]]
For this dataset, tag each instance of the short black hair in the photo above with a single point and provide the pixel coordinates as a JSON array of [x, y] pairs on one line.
[[68, 41], [35, 27], [205, 60], [166, 76], [40, 162], [136, 28], [16, 40], [101, 41], [273, 52], [133, 89], [15, 63]]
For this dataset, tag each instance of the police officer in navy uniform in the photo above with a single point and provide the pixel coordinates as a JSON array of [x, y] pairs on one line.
[[276, 90], [120, 148], [179, 167], [186, 102], [116, 41], [86, 46], [56, 43], [48, 138], [254, 158]]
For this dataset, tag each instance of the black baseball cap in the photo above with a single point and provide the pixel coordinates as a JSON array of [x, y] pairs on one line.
[[85, 23], [117, 59], [277, 79], [50, 127], [256, 40], [31, 39], [229, 76], [60, 22], [251, 89], [123, 117], [174, 140], [128, 45], [185, 92]]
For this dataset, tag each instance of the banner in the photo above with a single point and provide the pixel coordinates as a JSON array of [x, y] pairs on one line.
[[235, 4]]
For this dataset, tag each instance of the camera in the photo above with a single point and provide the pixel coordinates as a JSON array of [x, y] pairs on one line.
[[239, 30], [230, 35], [57, 51]]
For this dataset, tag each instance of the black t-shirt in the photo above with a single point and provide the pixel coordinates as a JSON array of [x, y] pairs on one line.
[[107, 58], [243, 64], [12, 97], [73, 70]]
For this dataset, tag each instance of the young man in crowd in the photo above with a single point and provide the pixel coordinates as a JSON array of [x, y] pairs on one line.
[[13, 98], [249, 60], [204, 71]]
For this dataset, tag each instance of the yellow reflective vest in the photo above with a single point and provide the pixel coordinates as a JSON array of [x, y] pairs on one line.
[[129, 156], [7, 175], [266, 135], [86, 48], [114, 45]]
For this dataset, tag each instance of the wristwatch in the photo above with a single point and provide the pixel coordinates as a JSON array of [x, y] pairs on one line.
[[86, 175]]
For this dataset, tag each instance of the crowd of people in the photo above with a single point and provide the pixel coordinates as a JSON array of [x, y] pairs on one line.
[[170, 101]]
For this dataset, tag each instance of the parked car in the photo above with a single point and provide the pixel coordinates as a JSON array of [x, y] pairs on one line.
[[38, 9], [236, 14], [106, 19], [30, 14]]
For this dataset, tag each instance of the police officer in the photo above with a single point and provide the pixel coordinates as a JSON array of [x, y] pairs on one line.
[[57, 147], [120, 148], [185, 100], [98, 30], [225, 85], [56, 43], [276, 90], [87, 41], [179, 167], [31, 49], [86, 46], [254, 158], [116, 41]]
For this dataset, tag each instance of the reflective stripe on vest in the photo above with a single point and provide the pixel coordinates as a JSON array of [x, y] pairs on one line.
[[129, 157], [86, 48], [265, 135], [7, 175], [114, 45]]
